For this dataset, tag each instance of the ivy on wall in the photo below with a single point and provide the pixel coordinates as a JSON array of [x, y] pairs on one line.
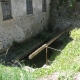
[[66, 2]]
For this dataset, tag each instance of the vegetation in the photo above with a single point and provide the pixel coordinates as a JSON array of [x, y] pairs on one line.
[[65, 61], [65, 2], [14, 73]]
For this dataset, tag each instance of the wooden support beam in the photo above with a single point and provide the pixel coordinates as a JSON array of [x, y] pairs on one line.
[[46, 55], [47, 44], [54, 49], [52, 40], [43, 46], [37, 51]]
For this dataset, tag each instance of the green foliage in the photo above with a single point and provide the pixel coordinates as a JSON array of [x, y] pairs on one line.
[[44, 36], [67, 60], [61, 2], [72, 3], [14, 73], [65, 2], [15, 43]]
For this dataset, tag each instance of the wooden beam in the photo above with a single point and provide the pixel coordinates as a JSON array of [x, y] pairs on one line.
[[47, 44], [37, 51], [46, 55], [43, 46], [52, 40]]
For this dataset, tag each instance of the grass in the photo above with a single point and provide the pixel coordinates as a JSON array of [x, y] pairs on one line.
[[66, 61], [14, 73]]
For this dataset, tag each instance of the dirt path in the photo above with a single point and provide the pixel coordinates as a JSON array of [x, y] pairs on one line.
[[55, 76]]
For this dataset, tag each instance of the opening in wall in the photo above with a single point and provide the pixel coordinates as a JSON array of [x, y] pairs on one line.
[[6, 9], [29, 5], [44, 6]]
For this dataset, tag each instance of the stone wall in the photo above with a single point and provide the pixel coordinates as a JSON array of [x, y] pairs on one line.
[[22, 26], [64, 16]]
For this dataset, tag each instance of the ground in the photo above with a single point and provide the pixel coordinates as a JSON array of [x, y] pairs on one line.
[[55, 76], [65, 64]]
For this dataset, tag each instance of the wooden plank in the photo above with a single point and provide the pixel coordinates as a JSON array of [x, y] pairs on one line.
[[46, 55], [54, 49], [47, 44], [43, 46], [37, 51], [52, 40], [27, 52]]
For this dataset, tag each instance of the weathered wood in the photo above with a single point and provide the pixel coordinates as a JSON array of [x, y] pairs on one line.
[[27, 52], [37, 51], [54, 49], [46, 55], [52, 40], [43, 46], [47, 44]]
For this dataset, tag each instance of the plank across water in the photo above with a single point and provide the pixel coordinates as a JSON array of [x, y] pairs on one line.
[[47, 44]]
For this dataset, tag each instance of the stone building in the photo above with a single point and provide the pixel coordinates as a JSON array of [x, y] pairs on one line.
[[21, 19], [62, 16]]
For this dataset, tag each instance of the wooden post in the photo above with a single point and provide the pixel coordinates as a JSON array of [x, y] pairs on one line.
[[46, 55]]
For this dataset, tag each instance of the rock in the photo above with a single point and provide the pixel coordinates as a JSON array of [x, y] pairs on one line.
[[27, 68], [77, 77], [46, 66]]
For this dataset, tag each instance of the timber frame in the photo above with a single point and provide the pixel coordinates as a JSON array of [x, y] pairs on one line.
[[47, 44]]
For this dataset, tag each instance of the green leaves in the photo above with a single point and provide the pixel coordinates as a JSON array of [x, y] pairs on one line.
[[65, 3], [67, 60], [72, 3]]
